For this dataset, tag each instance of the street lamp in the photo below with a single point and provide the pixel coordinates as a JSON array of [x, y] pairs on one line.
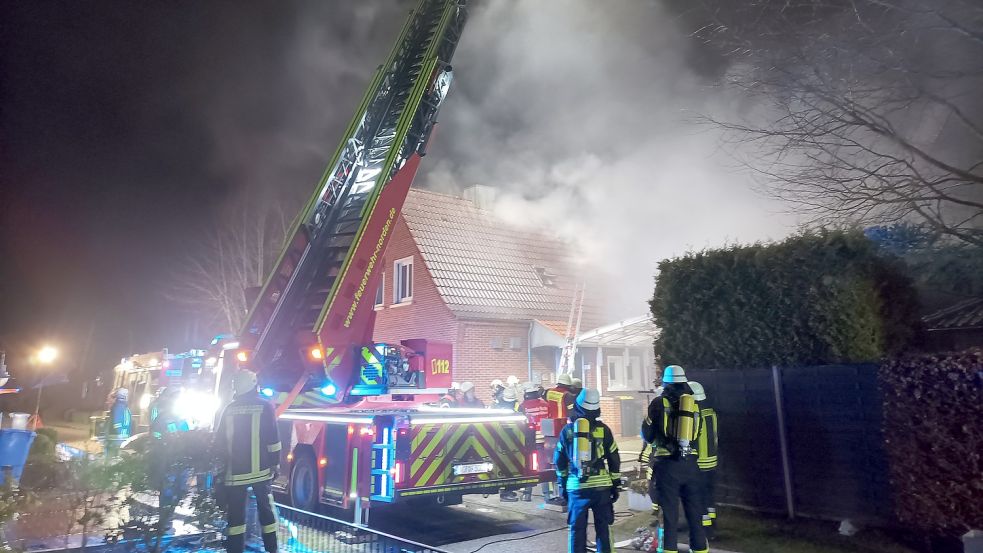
[[45, 356]]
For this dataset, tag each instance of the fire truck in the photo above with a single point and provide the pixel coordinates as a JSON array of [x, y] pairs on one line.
[[357, 418]]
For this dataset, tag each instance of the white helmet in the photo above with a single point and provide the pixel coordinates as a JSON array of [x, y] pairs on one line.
[[576, 383], [122, 393], [564, 379], [455, 386], [244, 382], [529, 387], [512, 380], [497, 383], [673, 374], [699, 394], [589, 400], [467, 387]]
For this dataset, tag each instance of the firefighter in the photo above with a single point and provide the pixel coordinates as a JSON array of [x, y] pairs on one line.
[[558, 397], [533, 405], [497, 387], [509, 400], [706, 447], [163, 417], [120, 422], [248, 447], [535, 408], [588, 472], [672, 426], [468, 399], [450, 399], [576, 386]]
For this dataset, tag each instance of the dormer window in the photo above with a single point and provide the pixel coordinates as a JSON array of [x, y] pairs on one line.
[[546, 277]]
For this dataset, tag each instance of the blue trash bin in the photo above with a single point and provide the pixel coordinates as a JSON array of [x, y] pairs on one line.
[[14, 446]]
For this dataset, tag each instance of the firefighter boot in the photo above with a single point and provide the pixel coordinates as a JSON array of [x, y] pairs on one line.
[[527, 494], [508, 495]]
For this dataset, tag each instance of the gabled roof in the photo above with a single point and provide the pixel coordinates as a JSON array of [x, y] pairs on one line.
[[485, 268], [963, 315]]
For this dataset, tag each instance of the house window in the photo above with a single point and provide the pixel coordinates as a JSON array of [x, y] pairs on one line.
[[403, 280], [380, 291]]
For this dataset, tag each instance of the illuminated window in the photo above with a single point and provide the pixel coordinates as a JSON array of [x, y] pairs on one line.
[[380, 291], [403, 280]]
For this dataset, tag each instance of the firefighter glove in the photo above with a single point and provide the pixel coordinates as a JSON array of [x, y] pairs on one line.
[[615, 494], [561, 489]]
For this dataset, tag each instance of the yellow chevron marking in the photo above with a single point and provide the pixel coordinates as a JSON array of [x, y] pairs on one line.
[[421, 458], [450, 447], [484, 432]]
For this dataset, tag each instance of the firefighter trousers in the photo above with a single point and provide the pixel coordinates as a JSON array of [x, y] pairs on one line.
[[709, 479], [236, 516], [597, 500], [675, 480]]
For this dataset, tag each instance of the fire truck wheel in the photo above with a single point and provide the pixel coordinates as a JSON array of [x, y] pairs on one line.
[[303, 483]]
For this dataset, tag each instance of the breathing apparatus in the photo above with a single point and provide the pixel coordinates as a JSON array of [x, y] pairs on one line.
[[587, 407]]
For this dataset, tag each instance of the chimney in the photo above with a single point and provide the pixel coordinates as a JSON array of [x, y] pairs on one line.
[[483, 197]]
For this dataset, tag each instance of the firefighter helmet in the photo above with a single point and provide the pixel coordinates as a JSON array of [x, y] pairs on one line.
[[589, 400], [576, 383], [244, 382], [699, 394], [512, 380], [564, 379], [455, 386], [497, 383], [122, 393], [467, 387], [673, 374]]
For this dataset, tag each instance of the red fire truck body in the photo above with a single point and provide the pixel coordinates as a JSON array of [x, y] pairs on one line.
[[356, 418]]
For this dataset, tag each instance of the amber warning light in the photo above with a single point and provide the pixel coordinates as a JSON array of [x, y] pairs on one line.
[[317, 354], [242, 356]]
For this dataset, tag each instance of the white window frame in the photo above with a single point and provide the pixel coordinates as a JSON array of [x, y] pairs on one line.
[[380, 293], [398, 267]]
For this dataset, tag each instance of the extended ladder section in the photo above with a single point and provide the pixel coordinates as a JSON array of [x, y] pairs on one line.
[[342, 231]]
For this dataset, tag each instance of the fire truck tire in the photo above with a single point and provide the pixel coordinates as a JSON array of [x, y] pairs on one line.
[[303, 483]]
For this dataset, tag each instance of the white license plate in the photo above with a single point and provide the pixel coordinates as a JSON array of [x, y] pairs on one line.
[[474, 468]]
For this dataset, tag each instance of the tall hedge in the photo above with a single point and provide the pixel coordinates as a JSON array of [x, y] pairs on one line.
[[933, 429], [815, 298]]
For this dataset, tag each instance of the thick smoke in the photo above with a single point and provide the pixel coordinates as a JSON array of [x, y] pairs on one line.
[[578, 113], [581, 115]]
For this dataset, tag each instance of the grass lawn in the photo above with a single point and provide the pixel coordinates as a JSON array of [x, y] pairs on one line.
[[749, 532]]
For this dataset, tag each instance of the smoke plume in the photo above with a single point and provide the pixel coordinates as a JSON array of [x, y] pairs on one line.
[[580, 113]]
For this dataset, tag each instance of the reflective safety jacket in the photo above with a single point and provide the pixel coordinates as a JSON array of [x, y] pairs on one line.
[[558, 399], [605, 469], [659, 425], [120, 421], [247, 442], [706, 443]]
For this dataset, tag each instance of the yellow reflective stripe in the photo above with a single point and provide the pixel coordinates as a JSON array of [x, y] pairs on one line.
[[254, 445], [236, 530], [481, 450], [273, 448], [615, 475], [249, 478], [269, 528], [425, 477]]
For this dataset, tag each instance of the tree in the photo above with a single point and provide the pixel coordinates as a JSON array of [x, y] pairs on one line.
[[871, 108], [237, 255]]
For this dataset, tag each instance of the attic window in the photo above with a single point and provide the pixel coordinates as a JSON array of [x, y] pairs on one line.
[[548, 278]]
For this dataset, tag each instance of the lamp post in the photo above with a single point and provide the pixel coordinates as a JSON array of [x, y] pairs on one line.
[[45, 356]]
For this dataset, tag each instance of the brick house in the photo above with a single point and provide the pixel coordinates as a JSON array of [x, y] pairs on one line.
[[500, 295]]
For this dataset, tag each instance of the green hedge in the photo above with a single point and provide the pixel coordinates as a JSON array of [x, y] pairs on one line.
[[815, 298], [933, 429]]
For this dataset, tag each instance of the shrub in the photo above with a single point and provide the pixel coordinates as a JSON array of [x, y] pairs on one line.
[[815, 298], [933, 428]]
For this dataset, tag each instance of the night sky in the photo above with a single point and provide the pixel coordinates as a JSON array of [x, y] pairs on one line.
[[122, 126]]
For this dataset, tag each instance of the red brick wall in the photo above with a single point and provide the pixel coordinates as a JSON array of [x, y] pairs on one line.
[[426, 315], [479, 358]]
